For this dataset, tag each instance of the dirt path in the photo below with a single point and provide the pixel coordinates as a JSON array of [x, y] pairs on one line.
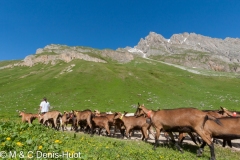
[[162, 139]]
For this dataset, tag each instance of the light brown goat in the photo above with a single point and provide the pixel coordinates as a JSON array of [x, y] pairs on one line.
[[179, 120], [53, 117], [28, 117]]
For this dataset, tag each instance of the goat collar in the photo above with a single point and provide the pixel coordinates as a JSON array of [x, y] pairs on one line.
[[149, 113], [121, 117]]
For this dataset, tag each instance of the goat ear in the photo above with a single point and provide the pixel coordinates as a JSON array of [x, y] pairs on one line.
[[225, 109]]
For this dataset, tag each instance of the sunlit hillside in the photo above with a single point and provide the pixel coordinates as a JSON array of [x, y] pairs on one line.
[[113, 87]]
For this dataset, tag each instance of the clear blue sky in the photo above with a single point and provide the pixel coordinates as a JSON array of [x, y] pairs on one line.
[[26, 25]]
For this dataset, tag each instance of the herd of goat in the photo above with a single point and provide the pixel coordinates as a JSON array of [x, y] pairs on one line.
[[208, 124]]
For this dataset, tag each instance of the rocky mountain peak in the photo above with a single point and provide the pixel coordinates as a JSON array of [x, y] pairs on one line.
[[193, 50]]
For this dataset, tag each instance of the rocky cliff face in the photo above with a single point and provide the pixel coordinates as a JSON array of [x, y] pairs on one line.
[[52, 54], [192, 50]]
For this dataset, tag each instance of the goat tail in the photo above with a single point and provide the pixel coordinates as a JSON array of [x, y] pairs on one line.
[[208, 117]]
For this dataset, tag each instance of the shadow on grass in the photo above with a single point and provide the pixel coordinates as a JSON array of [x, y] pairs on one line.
[[186, 147]]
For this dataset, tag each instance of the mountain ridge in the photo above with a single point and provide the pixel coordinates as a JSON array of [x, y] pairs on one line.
[[185, 49], [192, 50]]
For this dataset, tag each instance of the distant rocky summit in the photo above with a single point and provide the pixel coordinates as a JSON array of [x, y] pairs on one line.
[[52, 54], [192, 50], [186, 49]]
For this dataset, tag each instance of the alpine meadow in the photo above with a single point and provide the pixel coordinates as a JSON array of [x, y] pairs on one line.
[[115, 87]]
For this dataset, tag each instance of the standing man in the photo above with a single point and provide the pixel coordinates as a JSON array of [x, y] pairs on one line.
[[44, 106]]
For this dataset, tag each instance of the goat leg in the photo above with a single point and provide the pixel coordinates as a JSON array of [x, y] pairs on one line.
[[127, 133], [181, 137], [211, 146], [156, 138], [174, 142], [122, 133], [229, 143], [201, 149], [108, 131], [192, 137]]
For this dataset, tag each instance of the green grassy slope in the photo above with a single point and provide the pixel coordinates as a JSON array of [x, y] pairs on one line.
[[113, 86]]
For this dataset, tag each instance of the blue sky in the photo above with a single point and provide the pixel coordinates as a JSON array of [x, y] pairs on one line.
[[26, 25]]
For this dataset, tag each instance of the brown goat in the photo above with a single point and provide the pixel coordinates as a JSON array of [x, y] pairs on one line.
[[113, 123], [229, 114], [215, 113], [117, 124], [73, 121], [229, 130], [101, 122], [28, 117], [65, 120], [223, 112], [53, 117], [179, 120], [82, 117], [131, 122]]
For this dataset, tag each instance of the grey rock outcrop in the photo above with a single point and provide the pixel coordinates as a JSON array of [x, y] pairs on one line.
[[52, 54], [193, 50], [56, 53], [121, 57]]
